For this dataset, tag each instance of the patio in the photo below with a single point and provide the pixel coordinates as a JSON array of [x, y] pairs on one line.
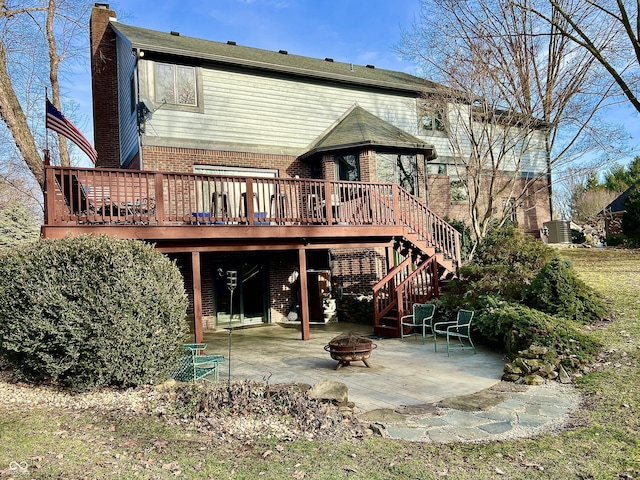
[[406, 373]]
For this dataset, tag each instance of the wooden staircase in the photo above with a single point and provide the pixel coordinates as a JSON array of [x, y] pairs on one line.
[[429, 248]]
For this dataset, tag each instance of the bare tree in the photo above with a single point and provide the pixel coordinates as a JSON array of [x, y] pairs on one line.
[[520, 88], [608, 31], [35, 36], [588, 205], [495, 152]]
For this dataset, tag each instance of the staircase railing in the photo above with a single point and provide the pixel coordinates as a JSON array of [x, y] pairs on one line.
[[418, 287], [402, 287], [428, 226], [385, 298]]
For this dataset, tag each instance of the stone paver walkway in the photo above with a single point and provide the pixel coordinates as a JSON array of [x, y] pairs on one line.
[[410, 391], [517, 411]]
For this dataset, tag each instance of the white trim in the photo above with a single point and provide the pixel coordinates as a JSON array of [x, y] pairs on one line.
[[236, 171]]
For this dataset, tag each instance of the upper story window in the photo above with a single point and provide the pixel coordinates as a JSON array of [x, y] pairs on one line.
[[431, 121], [176, 85]]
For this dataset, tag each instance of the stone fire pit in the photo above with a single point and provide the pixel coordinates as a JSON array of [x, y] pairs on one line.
[[349, 347]]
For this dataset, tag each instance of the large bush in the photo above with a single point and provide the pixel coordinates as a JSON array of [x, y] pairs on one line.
[[516, 327], [505, 263], [90, 311], [557, 290]]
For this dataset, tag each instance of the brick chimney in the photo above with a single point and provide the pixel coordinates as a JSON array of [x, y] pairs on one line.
[[104, 84]]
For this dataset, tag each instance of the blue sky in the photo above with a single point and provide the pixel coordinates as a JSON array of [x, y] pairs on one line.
[[353, 31], [356, 31]]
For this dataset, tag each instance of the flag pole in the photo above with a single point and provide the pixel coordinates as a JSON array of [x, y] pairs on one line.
[[47, 157]]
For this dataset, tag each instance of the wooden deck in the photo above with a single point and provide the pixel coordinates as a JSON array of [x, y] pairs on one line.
[[237, 213], [195, 213]]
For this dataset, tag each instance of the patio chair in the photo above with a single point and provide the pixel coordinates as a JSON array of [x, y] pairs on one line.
[[460, 329], [195, 366], [420, 320]]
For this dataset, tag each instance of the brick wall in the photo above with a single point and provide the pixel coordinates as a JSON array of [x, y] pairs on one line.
[[104, 82], [532, 210], [368, 166], [357, 270], [172, 159]]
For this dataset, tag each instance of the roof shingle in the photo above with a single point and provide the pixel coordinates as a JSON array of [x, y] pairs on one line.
[[206, 51]]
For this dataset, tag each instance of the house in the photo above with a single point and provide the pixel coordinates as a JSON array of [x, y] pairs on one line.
[[270, 178], [614, 212]]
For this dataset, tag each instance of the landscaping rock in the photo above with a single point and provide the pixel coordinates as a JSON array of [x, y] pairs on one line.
[[511, 377], [521, 363], [533, 379], [534, 351], [379, 429], [330, 390], [535, 361], [512, 368], [563, 375]]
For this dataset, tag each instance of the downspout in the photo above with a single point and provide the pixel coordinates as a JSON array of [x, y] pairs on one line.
[[549, 187], [426, 180], [136, 73]]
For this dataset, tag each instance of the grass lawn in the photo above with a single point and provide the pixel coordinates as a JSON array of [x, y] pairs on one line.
[[601, 442]]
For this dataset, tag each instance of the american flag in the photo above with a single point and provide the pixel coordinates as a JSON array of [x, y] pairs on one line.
[[58, 123]]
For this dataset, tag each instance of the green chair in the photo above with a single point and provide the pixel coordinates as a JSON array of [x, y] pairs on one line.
[[420, 320], [195, 367], [460, 329]]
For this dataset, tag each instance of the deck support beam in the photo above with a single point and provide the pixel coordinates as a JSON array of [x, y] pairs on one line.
[[304, 294], [197, 296]]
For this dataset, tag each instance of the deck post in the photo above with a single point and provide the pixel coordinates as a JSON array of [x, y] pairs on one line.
[[49, 197], [304, 294], [197, 296]]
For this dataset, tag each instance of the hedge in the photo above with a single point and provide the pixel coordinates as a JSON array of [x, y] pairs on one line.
[[90, 311]]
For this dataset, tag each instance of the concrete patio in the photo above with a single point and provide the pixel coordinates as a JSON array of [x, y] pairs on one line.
[[401, 374]]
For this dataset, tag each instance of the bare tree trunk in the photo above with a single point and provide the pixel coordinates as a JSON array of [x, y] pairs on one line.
[[54, 62]]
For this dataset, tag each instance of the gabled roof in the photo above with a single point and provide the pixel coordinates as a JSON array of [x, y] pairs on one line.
[[206, 51], [617, 206], [359, 128]]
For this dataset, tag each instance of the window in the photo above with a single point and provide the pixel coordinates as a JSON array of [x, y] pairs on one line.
[[509, 208], [176, 85], [348, 167], [400, 169], [457, 184], [436, 168], [431, 121], [458, 191]]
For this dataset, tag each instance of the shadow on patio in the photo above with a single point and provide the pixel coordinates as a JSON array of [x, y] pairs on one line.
[[406, 373]]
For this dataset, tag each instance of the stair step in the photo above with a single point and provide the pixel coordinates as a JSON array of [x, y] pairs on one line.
[[386, 331]]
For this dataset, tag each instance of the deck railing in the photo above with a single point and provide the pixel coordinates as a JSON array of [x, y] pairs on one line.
[[83, 196], [403, 286]]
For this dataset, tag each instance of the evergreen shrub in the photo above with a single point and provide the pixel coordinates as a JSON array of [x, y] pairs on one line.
[[504, 264], [557, 290], [90, 311], [516, 327]]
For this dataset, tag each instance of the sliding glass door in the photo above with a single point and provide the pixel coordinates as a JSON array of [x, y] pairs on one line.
[[250, 295]]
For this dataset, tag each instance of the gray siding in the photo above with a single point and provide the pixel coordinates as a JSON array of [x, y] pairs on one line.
[[126, 118], [247, 111]]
